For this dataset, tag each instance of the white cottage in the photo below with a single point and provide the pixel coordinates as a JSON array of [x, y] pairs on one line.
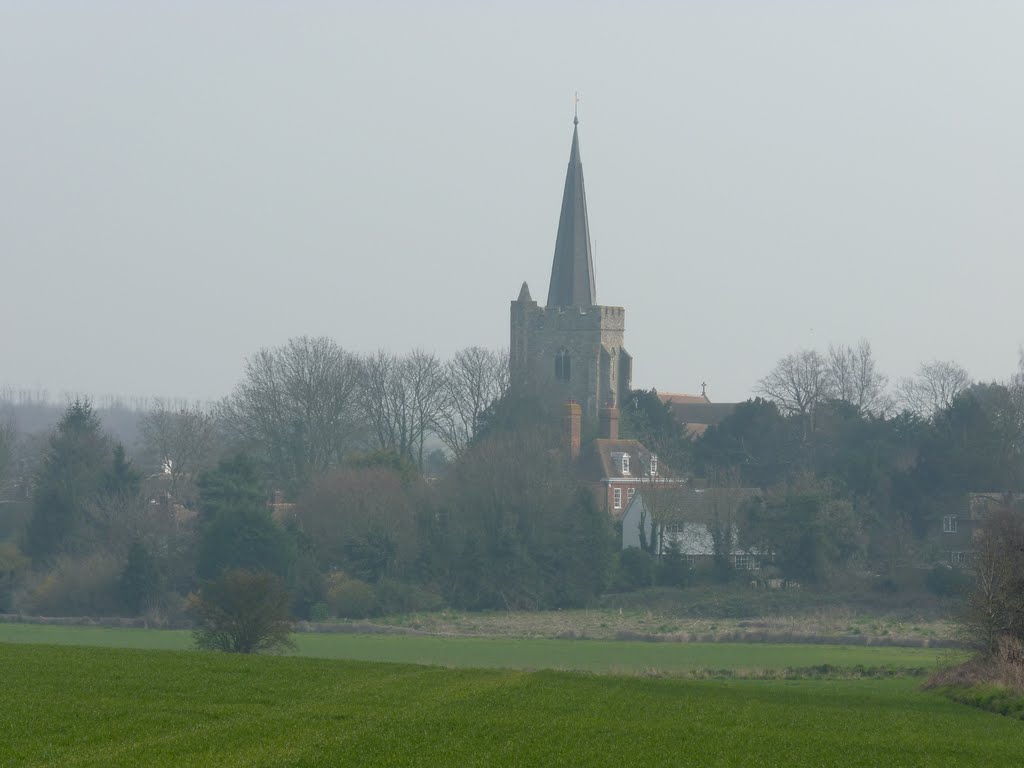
[[681, 516]]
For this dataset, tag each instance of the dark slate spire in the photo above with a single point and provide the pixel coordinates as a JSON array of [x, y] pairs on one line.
[[572, 271], [524, 293]]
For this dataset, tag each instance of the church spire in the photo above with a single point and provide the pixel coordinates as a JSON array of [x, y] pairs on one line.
[[572, 270]]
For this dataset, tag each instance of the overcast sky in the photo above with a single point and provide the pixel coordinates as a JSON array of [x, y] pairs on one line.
[[184, 183]]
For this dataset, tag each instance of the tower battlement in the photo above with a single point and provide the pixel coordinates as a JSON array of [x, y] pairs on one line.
[[575, 318]]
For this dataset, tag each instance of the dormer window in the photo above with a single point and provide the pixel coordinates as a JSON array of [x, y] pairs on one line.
[[654, 465], [620, 461]]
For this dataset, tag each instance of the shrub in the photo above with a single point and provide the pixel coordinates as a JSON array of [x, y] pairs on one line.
[[993, 681], [140, 584], [13, 567], [351, 598], [399, 597], [672, 569], [636, 569], [886, 586], [242, 611], [947, 582], [79, 587]]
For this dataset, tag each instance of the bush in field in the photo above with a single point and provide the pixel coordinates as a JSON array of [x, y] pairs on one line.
[[243, 611], [350, 598]]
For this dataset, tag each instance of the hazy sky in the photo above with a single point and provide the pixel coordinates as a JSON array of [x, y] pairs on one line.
[[183, 183]]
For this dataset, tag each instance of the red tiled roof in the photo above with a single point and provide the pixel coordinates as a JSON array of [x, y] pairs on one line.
[[677, 397], [595, 461], [696, 411]]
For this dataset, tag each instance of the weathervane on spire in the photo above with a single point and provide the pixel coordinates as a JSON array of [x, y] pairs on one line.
[[576, 108]]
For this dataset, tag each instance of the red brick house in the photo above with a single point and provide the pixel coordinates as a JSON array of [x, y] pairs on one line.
[[614, 468]]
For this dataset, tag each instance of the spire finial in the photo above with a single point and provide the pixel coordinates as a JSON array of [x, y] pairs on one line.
[[576, 108]]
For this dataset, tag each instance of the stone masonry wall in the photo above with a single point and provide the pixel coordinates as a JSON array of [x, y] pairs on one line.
[[539, 333]]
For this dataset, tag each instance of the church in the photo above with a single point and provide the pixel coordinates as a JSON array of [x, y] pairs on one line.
[[570, 355], [571, 348]]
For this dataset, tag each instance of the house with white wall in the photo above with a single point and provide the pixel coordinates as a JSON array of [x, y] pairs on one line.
[[660, 519]]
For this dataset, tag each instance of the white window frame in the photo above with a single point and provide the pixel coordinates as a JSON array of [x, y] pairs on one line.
[[654, 465], [745, 562], [959, 558], [949, 524], [630, 493], [617, 497], [625, 463]]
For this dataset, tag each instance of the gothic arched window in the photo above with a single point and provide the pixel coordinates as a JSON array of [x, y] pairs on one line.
[[563, 368]]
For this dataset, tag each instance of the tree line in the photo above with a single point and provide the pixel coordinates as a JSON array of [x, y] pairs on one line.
[[853, 472], [367, 526], [411, 482]]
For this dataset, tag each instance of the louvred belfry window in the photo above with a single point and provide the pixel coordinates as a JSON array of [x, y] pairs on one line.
[[562, 365]]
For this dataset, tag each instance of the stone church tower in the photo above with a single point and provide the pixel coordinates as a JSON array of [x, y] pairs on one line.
[[572, 348]]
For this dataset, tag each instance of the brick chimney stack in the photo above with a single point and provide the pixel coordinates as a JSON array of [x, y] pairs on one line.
[[571, 429], [609, 423]]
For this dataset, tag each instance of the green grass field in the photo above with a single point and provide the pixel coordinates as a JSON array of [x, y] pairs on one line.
[[74, 706], [585, 655]]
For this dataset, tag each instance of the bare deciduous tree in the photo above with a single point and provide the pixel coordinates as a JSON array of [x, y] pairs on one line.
[[118, 520], [363, 520], [1015, 386], [243, 612], [797, 384], [179, 443], [995, 609], [401, 398], [473, 379], [934, 387], [8, 438], [296, 408], [424, 376], [854, 378]]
